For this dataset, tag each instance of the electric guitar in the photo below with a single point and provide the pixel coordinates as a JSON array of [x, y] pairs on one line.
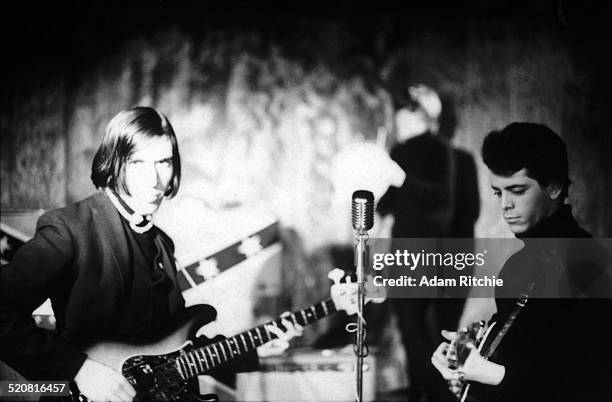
[[474, 335], [161, 371]]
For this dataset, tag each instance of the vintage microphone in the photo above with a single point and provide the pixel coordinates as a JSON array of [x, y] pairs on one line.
[[363, 220]]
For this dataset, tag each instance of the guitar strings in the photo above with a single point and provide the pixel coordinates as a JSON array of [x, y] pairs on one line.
[[169, 367]]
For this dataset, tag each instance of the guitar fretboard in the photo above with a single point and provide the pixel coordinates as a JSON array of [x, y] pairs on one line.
[[201, 360]]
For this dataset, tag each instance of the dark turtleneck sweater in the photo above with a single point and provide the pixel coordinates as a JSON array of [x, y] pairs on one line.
[[560, 224], [152, 298], [558, 349]]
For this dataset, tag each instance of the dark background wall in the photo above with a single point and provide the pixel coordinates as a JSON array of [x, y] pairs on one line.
[[264, 95]]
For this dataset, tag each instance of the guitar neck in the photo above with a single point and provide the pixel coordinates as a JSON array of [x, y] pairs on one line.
[[206, 358]]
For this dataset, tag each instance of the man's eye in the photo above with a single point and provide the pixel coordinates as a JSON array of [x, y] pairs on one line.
[[518, 192], [497, 193]]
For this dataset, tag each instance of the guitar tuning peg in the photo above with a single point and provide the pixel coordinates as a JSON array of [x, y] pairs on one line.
[[336, 275]]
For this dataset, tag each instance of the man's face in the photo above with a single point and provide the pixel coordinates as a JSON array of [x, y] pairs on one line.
[[148, 173], [523, 201], [410, 124]]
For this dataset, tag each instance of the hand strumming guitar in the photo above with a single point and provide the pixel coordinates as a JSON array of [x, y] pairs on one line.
[[476, 368], [98, 382]]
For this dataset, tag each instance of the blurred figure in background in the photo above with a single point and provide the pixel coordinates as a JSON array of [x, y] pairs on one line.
[[439, 198]]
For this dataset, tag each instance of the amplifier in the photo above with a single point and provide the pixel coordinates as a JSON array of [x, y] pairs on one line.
[[308, 375]]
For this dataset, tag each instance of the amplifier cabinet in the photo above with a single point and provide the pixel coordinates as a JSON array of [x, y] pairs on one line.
[[308, 375]]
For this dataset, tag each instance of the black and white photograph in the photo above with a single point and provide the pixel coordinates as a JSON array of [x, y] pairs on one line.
[[306, 201]]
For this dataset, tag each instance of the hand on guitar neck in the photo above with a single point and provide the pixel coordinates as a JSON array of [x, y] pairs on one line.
[[281, 343], [344, 296]]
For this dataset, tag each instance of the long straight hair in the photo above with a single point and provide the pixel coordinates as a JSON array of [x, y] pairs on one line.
[[108, 167]]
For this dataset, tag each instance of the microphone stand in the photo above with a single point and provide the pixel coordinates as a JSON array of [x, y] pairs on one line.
[[361, 258]]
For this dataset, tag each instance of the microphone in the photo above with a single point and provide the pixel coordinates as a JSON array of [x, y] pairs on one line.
[[363, 220], [363, 210]]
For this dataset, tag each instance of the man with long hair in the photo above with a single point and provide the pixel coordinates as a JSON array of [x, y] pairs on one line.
[[109, 271]]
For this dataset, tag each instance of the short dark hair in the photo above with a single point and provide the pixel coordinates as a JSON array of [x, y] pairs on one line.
[[108, 167], [532, 146]]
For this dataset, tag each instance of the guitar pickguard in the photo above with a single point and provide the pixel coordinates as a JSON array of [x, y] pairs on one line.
[[167, 370], [155, 377]]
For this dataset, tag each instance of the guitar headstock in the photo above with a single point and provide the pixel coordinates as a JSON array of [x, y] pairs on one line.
[[374, 294], [467, 339], [344, 293]]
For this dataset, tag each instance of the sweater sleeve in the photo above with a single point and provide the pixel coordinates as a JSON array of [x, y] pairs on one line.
[[39, 269]]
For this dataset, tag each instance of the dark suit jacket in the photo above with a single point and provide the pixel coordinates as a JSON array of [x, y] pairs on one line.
[[439, 197], [75, 258]]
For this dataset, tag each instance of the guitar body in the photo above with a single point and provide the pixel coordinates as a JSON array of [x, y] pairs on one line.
[[151, 368], [114, 354], [165, 370]]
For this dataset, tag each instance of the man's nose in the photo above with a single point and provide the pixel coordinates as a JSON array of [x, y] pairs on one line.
[[151, 176], [507, 202]]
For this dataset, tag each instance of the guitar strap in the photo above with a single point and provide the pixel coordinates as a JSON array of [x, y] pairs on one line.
[[519, 304], [545, 259], [521, 301]]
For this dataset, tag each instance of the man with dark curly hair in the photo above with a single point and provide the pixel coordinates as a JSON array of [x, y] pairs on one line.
[[553, 319]]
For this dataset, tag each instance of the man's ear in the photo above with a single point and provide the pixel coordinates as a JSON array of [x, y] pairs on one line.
[[554, 189]]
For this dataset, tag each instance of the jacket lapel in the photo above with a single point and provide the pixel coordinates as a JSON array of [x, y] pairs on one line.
[[108, 223]]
